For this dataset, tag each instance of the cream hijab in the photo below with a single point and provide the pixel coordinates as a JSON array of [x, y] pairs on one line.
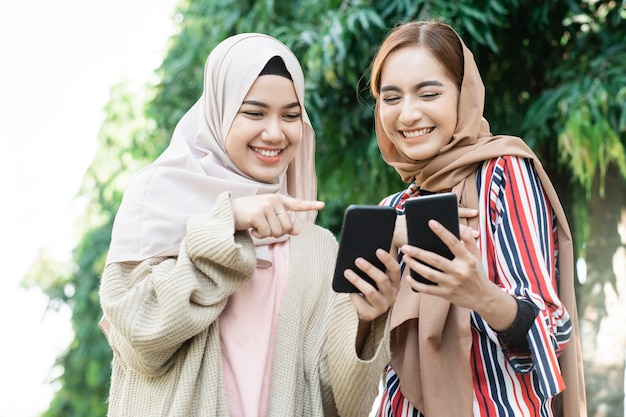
[[189, 175], [431, 337]]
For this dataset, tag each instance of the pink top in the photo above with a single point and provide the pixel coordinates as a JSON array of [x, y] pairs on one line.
[[248, 330]]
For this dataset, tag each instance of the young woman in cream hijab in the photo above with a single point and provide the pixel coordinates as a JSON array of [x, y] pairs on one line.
[[498, 334], [217, 288]]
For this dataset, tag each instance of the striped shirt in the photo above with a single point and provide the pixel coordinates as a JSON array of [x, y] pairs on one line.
[[519, 246]]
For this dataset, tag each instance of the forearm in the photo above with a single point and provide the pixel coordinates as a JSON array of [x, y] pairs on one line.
[[153, 309], [157, 305], [146, 325], [497, 308], [354, 376]]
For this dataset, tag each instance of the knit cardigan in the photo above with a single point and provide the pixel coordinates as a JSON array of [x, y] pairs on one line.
[[164, 328]]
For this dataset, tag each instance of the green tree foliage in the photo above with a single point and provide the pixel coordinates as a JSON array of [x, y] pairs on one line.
[[554, 74], [586, 99]]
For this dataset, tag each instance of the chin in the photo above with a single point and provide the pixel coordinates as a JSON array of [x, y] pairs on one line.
[[269, 178]]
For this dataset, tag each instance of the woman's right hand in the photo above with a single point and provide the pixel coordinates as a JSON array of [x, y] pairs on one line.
[[268, 214], [371, 302]]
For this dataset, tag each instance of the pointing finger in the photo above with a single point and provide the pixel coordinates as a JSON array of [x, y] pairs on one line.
[[295, 204]]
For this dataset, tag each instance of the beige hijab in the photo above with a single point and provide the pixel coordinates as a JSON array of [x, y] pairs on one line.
[[431, 338], [189, 175]]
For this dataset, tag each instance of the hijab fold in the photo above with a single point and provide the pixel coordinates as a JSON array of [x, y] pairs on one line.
[[195, 169], [431, 338]]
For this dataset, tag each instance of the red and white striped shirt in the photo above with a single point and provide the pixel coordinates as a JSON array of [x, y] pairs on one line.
[[519, 246]]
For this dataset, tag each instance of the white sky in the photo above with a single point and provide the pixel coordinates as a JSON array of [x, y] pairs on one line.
[[58, 60]]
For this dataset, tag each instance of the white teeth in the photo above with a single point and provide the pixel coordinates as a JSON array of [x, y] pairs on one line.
[[416, 133], [266, 152]]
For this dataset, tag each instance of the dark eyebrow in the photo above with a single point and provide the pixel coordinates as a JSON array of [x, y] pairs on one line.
[[261, 104], [417, 87]]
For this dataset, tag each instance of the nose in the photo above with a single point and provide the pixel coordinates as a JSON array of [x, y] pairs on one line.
[[410, 112], [273, 130]]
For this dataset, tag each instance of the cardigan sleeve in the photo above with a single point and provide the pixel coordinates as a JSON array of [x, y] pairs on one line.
[[355, 379], [156, 305]]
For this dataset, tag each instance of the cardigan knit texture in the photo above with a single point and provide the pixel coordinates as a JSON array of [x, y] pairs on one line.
[[164, 317]]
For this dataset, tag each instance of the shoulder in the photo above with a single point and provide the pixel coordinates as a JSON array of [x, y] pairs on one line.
[[507, 169], [507, 163], [511, 181]]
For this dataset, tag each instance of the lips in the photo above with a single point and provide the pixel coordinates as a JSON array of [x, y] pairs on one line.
[[417, 133]]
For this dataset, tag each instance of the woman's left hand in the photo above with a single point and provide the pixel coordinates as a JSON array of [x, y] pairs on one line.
[[371, 303]]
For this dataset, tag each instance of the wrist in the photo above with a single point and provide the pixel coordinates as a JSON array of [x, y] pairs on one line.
[[498, 309]]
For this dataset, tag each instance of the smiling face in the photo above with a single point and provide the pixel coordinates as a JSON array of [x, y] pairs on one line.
[[267, 129], [417, 103]]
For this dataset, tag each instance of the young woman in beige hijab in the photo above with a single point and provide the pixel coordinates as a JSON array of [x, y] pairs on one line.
[[217, 287], [498, 334]]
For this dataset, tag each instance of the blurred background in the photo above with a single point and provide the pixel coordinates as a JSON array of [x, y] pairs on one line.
[[90, 91], [60, 59]]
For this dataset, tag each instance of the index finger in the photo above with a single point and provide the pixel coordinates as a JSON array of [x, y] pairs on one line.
[[295, 204], [446, 236]]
